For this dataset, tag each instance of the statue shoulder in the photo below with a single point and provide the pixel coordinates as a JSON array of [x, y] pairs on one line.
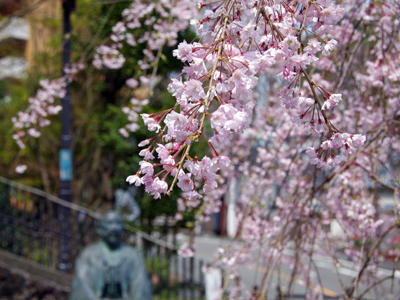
[[129, 248], [131, 251]]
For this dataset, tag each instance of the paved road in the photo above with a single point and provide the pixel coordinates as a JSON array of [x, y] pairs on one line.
[[206, 246]]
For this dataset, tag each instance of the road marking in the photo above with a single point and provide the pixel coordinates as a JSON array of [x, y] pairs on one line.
[[348, 272], [342, 270], [347, 268], [325, 291]]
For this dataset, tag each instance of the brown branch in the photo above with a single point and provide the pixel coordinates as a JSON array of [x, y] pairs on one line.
[[312, 86], [334, 259], [350, 61], [333, 176], [373, 285], [354, 283], [375, 177]]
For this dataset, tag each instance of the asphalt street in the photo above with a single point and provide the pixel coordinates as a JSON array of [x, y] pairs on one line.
[[323, 270]]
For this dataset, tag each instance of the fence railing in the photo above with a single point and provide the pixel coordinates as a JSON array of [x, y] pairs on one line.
[[32, 225]]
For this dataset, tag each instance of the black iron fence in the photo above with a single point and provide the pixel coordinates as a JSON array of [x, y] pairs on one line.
[[30, 226]]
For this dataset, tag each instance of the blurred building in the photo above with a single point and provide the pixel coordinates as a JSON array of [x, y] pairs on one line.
[[26, 29], [14, 33]]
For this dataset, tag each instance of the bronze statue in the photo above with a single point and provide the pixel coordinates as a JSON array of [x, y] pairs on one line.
[[110, 269]]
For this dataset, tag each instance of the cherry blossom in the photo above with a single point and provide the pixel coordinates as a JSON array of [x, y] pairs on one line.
[[298, 102], [20, 169], [42, 105], [314, 138]]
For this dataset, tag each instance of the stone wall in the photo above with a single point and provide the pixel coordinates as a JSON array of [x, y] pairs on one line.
[[21, 279], [19, 286]]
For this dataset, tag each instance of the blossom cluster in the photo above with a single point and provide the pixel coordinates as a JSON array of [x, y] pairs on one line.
[[337, 140], [162, 19], [239, 40], [42, 105], [133, 116], [284, 204]]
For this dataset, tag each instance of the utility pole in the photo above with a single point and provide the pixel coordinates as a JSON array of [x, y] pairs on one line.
[[64, 214]]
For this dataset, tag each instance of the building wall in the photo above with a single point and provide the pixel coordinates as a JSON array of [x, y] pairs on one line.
[[45, 22], [26, 31]]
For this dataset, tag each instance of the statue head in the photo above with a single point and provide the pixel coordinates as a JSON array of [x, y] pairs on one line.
[[110, 229]]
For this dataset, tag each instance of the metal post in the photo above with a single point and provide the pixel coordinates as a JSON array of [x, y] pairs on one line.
[[64, 227]]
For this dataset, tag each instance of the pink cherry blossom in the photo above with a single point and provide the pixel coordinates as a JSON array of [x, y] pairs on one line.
[[134, 179], [302, 96], [20, 169], [185, 183]]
